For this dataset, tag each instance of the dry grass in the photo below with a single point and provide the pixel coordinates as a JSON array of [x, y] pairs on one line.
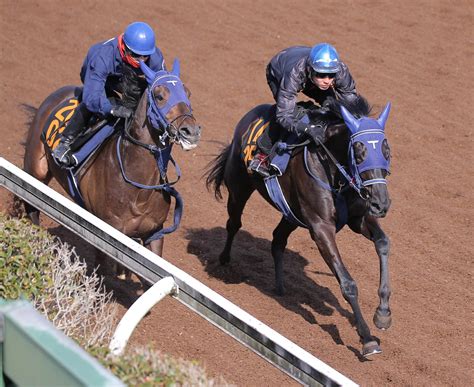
[[39, 267]]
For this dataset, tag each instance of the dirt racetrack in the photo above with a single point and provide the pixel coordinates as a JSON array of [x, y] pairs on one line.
[[418, 55]]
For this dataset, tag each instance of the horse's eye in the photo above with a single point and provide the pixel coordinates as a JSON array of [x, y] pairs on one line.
[[360, 151], [159, 97], [385, 149]]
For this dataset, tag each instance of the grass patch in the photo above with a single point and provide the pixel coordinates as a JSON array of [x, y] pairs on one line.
[[38, 267]]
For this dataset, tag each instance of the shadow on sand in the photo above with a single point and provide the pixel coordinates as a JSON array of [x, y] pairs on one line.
[[252, 264]]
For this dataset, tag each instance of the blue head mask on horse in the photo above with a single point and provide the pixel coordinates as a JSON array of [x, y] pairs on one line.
[[166, 92], [368, 148]]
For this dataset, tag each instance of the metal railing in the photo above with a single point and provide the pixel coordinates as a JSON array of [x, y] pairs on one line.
[[278, 350]]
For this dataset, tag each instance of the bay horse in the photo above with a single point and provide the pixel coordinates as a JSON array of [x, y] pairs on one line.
[[352, 163], [122, 183]]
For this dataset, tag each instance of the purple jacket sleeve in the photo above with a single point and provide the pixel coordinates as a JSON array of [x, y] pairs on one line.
[[99, 67], [157, 62]]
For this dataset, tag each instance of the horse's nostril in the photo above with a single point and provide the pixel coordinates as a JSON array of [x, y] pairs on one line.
[[184, 131]]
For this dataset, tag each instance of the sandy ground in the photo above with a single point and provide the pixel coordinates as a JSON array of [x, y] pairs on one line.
[[418, 55]]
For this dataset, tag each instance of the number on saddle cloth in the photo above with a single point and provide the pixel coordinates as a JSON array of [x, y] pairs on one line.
[[250, 137], [56, 122]]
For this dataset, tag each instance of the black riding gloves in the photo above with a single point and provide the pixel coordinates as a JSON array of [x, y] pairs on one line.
[[316, 132], [121, 111], [300, 128]]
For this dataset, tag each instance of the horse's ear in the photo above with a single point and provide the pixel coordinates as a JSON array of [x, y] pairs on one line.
[[187, 91], [176, 68], [351, 122], [384, 115], [149, 73]]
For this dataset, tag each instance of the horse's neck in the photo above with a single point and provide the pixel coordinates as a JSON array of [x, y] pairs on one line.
[[322, 164], [139, 129]]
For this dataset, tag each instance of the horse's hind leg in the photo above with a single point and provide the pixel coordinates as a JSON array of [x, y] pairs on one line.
[[239, 193], [36, 164], [279, 242], [370, 228]]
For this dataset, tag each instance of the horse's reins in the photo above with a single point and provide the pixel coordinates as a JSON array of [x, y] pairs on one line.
[[155, 151], [351, 181], [166, 186]]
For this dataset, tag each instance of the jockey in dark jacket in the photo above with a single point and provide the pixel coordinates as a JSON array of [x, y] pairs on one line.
[[101, 75], [318, 73]]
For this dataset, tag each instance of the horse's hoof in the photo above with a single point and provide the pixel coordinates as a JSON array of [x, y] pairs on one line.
[[371, 348], [382, 321]]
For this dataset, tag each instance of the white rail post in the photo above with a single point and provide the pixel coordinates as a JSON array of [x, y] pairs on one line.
[[138, 310]]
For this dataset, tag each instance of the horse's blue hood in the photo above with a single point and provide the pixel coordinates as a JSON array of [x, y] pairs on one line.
[[371, 132], [177, 93]]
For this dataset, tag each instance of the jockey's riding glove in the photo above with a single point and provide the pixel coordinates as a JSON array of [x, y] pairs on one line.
[[300, 128], [121, 111], [316, 132]]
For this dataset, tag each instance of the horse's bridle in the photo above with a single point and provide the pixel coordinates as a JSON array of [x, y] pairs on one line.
[[354, 183], [171, 131]]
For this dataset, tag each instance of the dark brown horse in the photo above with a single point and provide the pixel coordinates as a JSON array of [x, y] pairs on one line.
[[351, 165], [163, 117]]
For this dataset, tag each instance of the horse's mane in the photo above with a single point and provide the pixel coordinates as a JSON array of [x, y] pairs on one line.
[[133, 86], [331, 111]]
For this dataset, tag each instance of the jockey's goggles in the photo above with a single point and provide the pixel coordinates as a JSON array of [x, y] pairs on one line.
[[324, 75], [134, 55]]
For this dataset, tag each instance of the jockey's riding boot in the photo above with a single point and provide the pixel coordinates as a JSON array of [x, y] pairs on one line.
[[62, 153], [260, 164]]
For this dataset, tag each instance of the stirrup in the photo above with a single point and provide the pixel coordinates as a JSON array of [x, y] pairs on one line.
[[61, 154], [259, 166]]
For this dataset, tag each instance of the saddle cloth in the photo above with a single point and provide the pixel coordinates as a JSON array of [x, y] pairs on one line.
[[86, 145], [280, 154], [250, 137]]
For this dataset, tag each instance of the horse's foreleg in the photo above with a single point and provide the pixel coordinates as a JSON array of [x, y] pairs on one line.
[[325, 237], [279, 242], [238, 196], [370, 228], [156, 246]]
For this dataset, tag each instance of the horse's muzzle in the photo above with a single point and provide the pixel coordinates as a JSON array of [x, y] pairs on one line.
[[189, 136], [379, 209]]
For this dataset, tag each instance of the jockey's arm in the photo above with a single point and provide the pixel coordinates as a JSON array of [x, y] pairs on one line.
[[156, 61], [94, 96], [290, 86], [345, 86]]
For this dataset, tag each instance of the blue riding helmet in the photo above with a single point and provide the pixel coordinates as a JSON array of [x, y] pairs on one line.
[[324, 58], [140, 38]]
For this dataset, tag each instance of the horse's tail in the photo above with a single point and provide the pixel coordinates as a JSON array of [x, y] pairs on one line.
[[215, 172]]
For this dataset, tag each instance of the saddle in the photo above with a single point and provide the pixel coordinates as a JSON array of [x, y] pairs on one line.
[[268, 137]]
